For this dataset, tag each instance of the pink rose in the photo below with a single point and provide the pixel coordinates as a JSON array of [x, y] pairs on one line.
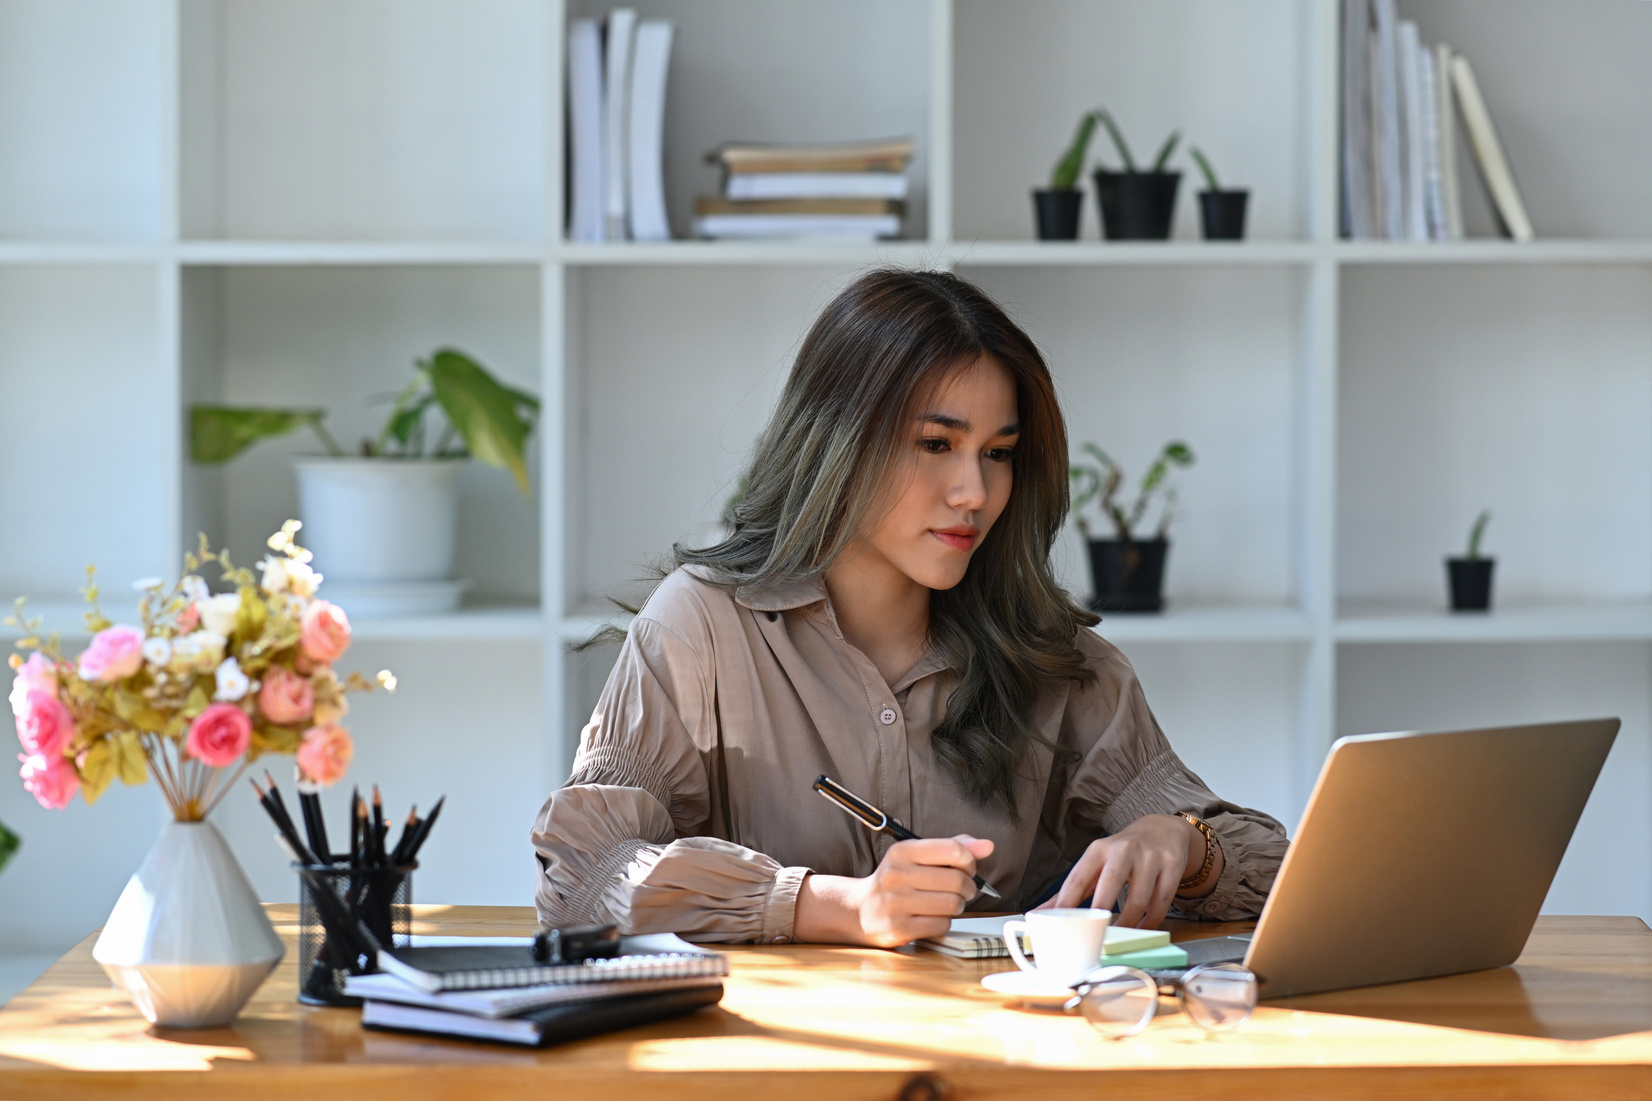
[[116, 653], [325, 753], [188, 619], [35, 675], [53, 781], [47, 728], [324, 632], [286, 697], [219, 735]]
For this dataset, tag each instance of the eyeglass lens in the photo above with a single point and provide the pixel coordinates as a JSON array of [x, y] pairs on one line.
[[1218, 996], [1120, 1001]]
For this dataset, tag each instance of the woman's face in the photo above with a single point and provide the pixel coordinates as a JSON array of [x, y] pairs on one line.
[[951, 477]]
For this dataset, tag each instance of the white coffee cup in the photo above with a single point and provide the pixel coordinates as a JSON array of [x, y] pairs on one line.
[[1067, 943]]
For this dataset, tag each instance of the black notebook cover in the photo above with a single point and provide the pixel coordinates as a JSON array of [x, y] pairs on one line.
[[552, 1024]]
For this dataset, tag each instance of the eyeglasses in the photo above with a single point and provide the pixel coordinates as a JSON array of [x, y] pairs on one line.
[[1120, 1001]]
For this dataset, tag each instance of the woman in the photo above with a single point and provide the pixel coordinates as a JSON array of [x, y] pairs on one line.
[[885, 613]]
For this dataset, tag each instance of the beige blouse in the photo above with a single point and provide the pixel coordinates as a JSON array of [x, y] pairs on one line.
[[690, 811]]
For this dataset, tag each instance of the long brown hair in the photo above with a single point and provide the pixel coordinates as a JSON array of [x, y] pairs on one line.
[[815, 477]]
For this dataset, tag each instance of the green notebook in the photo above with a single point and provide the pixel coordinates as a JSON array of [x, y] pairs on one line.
[[1148, 959]]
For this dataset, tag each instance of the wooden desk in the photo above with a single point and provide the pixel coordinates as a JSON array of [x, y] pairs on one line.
[[1572, 1019]]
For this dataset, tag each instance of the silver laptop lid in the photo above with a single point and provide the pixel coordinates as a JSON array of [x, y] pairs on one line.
[[1425, 854]]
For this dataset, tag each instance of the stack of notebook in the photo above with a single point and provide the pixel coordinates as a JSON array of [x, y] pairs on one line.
[[840, 189], [983, 938], [492, 989]]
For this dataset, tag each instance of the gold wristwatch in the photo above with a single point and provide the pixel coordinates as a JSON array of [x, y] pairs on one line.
[[1198, 878]]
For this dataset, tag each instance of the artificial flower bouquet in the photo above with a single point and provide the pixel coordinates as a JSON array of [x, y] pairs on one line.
[[205, 682]]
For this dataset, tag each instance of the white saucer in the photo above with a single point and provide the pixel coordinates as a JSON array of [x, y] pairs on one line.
[[1031, 987]]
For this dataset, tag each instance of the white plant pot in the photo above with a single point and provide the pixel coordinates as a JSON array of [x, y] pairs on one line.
[[187, 940], [380, 521]]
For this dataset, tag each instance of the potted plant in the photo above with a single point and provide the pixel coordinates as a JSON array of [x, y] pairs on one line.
[[1470, 576], [1128, 571], [1059, 206], [1222, 211], [385, 520], [1137, 205]]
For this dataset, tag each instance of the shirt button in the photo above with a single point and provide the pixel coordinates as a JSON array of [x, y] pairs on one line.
[[781, 939], [887, 718]]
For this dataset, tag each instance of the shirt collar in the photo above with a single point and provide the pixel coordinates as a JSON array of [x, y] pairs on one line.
[[788, 596], [781, 597]]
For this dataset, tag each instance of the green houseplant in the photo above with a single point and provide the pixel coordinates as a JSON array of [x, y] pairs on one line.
[[1221, 210], [385, 519], [1127, 569], [1137, 205], [1470, 576], [1059, 207]]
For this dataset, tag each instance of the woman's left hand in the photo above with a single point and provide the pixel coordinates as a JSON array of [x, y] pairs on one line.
[[1152, 855]]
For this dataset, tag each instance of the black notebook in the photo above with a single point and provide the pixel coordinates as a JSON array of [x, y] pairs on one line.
[[492, 966], [551, 1024]]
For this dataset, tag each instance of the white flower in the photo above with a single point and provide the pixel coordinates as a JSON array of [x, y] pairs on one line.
[[144, 584], [197, 652], [157, 650], [218, 613], [275, 577], [232, 683], [304, 580], [194, 589]]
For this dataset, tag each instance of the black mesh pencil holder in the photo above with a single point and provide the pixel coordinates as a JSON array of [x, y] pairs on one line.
[[345, 914]]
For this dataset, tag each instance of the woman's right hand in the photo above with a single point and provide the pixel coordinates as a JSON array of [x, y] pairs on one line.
[[916, 891]]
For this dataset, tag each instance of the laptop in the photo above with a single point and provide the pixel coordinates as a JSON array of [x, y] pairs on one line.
[[1420, 855]]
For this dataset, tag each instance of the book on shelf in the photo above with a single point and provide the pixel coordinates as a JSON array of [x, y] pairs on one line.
[[815, 185], [711, 204], [616, 134], [1401, 103], [880, 155], [983, 938], [618, 39], [757, 226], [546, 1024], [646, 132], [585, 122], [1498, 177]]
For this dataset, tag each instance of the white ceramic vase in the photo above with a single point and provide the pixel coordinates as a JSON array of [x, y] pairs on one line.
[[383, 531], [188, 941]]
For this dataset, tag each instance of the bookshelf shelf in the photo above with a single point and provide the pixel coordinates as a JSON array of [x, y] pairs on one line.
[[262, 201], [1540, 623]]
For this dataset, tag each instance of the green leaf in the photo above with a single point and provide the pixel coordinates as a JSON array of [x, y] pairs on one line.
[[1118, 139], [1477, 532], [132, 766], [9, 842], [97, 769], [1071, 164], [1165, 150], [1179, 453], [493, 419], [1204, 166], [218, 433]]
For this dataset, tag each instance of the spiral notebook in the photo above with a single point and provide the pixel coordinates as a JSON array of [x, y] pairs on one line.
[[497, 966]]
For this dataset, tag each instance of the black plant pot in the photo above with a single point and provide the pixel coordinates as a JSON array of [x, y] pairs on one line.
[[1470, 583], [1129, 577], [1137, 206], [1223, 214], [1058, 213]]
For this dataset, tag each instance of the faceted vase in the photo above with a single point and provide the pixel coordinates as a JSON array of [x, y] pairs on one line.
[[188, 941]]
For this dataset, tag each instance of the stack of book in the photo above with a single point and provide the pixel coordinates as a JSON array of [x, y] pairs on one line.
[[492, 989], [839, 190], [616, 113], [1400, 101], [983, 938]]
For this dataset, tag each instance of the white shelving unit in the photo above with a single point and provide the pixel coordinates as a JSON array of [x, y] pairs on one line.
[[287, 200]]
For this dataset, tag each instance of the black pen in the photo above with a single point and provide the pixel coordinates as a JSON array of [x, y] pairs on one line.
[[877, 821]]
